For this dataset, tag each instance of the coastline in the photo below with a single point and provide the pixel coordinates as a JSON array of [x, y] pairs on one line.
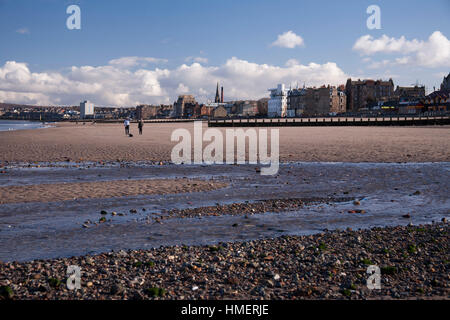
[[101, 167]]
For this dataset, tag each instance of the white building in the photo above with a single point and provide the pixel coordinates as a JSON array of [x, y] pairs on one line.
[[277, 105], [86, 109]]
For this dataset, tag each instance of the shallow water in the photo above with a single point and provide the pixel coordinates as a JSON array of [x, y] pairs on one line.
[[46, 230], [12, 125]]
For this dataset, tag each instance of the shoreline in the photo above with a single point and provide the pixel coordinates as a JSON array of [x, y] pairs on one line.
[[24, 125], [414, 264]]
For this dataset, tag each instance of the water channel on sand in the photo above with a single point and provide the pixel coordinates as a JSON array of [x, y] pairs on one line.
[[386, 191]]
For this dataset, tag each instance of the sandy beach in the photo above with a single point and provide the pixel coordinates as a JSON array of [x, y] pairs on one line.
[[142, 228], [107, 142]]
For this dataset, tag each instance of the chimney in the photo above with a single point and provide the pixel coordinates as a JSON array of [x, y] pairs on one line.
[[221, 94]]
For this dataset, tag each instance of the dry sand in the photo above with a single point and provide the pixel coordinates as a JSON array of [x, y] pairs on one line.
[[107, 142], [102, 189]]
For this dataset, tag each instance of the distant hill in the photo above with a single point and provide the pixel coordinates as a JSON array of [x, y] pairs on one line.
[[13, 106], [8, 106]]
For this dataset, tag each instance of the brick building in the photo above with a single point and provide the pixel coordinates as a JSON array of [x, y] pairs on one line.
[[145, 111], [361, 93], [324, 101], [296, 102], [415, 92], [185, 106]]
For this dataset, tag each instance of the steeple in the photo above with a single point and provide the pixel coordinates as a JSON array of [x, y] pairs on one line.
[[217, 99]]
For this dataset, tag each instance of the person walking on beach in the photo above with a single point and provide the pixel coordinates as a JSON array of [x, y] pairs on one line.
[[126, 123], [140, 126]]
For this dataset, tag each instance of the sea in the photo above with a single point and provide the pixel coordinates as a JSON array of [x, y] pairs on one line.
[[11, 125]]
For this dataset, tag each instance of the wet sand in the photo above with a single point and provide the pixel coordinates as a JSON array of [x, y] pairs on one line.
[[107, 142], [304, 198], [103, 189]]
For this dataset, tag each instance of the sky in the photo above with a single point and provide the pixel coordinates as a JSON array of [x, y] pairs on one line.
[[130, 52]]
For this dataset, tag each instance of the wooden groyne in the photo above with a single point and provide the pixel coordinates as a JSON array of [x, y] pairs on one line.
[[331, 121]]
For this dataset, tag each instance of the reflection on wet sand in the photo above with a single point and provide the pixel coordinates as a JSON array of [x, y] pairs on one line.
[[385, 193]]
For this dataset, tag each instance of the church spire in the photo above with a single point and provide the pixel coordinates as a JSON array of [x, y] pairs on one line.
[[217, 99]]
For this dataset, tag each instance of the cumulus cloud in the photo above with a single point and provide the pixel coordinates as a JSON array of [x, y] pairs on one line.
[[292, 62], [127, 62], [116, 85], [182, 89], [288, 40], [434, 52], [367, 45]]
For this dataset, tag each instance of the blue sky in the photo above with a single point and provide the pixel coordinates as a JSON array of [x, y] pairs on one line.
[[211, 32]]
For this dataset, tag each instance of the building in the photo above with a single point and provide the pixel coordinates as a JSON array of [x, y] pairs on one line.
[[86, 109], [247, 108], [184, 106], [324, 101], [146, 112], [262, 105], [219, 112], [296, 102], [219, 98], [277, 105], [203, 111], [230, 107], [416, 92], [340, 105], [361, 93], [445, 85], [438, 101], [410, 108]]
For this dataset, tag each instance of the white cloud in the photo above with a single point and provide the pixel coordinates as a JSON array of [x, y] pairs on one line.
[[367, 45], [434, 52], [292, 62], [288, 40], [182, 89], [196, 59], [115, 85], [23, 31], [127, 62]]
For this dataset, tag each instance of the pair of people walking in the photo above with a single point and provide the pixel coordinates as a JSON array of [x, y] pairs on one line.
[[126, 124]]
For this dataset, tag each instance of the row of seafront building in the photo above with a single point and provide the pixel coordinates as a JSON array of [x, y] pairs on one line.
[[356, 97], [326, 100]]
